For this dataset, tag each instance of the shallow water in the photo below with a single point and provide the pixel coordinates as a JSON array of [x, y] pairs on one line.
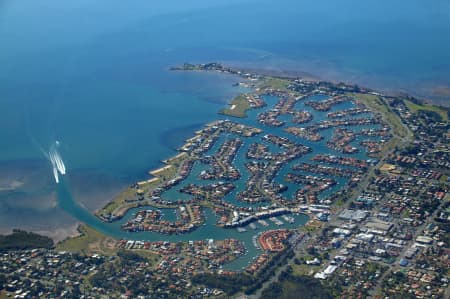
[[94, 75]]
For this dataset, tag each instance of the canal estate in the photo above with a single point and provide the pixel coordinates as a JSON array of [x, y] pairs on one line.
[[279, 157]]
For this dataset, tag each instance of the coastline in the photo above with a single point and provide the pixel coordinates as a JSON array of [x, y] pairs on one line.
[[57, 235], [167, 171], [225, 149], [436, 94], [343, 141]]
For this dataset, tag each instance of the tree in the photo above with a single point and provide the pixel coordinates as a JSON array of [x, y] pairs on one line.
[[2, 281], [20, 240], [291, 286]]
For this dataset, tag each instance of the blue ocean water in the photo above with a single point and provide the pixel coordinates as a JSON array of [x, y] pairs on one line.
[[94, 75]]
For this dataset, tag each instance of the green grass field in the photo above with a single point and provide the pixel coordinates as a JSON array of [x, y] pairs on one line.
[[304, 269], [117, 201], [416, 107], [240, 105], [89, 241], [130, 193], [373, 102], [275, 83]]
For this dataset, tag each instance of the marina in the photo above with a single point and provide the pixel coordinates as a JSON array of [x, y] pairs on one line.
[[288, 219], [263, 223], [276, 221]]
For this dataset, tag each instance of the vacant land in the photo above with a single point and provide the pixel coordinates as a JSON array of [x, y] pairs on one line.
[[374, 102], [425, 107], [276, 83], [238, 107], [89, 241], [128, 197], [118, 201]]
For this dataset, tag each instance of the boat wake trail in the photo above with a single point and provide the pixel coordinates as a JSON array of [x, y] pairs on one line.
[[57, 163]]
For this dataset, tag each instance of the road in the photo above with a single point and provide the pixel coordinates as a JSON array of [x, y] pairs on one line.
[[355, 193], [394, 267]]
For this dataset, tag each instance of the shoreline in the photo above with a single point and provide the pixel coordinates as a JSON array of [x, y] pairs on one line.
[[334, 199], [437, 94], [119, 206], [156, 174], [57, 235], [155, 181]]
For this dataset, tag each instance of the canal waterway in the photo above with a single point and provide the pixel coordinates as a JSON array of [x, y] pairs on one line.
[[209, 229]]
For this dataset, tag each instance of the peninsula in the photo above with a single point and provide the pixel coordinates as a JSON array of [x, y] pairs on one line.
[[329, 189]]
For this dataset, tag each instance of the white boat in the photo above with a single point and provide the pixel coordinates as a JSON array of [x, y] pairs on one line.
[[263, 222], [255, 242], [55, 174], [288, 218], [57, 162], [276, 221], [60, 163]]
